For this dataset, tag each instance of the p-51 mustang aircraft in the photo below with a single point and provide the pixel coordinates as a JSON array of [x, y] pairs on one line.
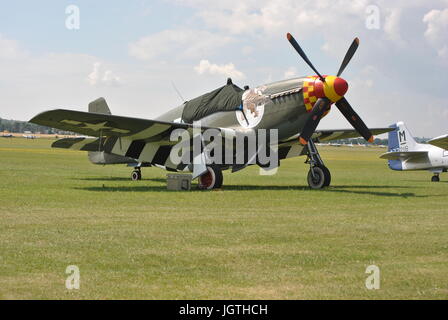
[[404, 153], [293, 107]]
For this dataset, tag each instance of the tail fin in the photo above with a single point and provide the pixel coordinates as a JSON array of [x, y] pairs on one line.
[[401, 138], [99, 106]]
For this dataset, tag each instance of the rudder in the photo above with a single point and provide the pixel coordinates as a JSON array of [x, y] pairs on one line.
[[401, 138]]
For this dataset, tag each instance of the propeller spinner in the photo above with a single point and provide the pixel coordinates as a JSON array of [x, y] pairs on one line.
[[328, 90]]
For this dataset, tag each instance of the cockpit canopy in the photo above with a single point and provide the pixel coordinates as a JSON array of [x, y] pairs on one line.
[[226, 98]]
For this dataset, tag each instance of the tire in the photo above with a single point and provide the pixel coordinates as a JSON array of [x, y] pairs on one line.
[[318, 181], [327, 176], [212, 179], [435, 179], [136, 175]]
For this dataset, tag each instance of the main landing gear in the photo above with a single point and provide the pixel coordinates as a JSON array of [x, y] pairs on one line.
[[435, 178], [136, 174], [319, 176], [211, 179]]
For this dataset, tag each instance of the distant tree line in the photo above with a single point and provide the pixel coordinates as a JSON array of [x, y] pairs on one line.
[[356, 141], [377, 141], [22, 126]]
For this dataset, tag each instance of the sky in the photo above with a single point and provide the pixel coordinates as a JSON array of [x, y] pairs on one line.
[[64, 54]]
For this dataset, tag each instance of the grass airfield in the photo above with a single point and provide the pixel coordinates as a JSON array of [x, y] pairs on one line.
[[260, 237]]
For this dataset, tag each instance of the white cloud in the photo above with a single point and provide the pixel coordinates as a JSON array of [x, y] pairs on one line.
[[437, 30], [291, 72], [392, 26], [102, 77], [276, 17], [180, 43], [228, 70]]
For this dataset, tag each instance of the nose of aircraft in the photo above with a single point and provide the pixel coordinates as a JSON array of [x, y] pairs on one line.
[[340, 86]]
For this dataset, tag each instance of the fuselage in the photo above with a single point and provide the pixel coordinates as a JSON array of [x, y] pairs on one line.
[[287, 109], [411, 155], [436, 159]]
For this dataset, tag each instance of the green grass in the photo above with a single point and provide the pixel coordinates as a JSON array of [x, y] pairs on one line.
[[266, 237]]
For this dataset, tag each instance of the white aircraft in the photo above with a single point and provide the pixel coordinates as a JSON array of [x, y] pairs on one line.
[[404, 153]]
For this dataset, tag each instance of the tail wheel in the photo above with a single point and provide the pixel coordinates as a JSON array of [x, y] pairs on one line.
[[319, 177], [136, 175], [212, 179]]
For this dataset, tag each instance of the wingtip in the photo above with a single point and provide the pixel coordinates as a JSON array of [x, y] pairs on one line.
[[371, 139], [289, 36], [357, 40]]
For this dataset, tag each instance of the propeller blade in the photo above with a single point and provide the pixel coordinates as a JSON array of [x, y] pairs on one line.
[[303, 55], [352, 117], [321, 105], [348, 56]]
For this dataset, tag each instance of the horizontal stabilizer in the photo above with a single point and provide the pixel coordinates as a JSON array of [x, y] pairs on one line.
[[403, 155], [84, 144]]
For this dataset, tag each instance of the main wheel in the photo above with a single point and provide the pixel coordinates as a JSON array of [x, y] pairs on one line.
[[212, 179], [435, 179], [136, 175], [318, 177], [327, 176]]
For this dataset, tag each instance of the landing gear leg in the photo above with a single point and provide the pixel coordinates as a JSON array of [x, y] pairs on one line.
[[136, 174], [319, 176], [435, 178]]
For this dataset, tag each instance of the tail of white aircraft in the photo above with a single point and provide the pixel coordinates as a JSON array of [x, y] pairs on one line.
[[405, 153], [401, 139]]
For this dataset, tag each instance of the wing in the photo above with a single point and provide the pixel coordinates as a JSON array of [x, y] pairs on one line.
[[290, 148], [106, 125], [441, 142], [140, 139], [328, 135], [405, 155]]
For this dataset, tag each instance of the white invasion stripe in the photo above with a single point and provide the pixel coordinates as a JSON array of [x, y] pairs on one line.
[[121, 148], [169, 163], [150, 132], [228, 133], [78, 145], [295, 151], [148, 152]]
